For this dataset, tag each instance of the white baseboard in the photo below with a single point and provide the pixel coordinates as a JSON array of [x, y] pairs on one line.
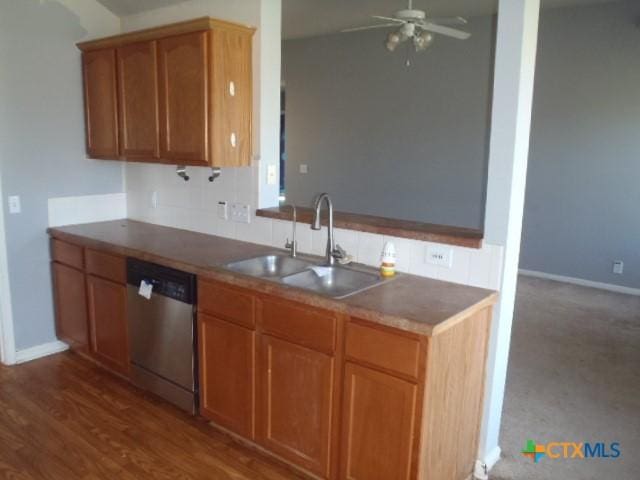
[[40, 351], [584, 283]]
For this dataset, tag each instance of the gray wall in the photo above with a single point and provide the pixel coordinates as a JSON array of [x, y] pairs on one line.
[[388, 140], [583, 195], [41, 148], [345, 118]]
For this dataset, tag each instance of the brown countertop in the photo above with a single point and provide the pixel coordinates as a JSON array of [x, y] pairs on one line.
[[408, 302], [428, 232]]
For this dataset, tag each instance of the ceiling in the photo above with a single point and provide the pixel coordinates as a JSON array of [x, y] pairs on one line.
[[308, 18], [122, 8]]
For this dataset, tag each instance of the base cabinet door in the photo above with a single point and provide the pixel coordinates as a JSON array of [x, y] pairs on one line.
[[227, 362], [296, 403], [71, 305], [108, 323], [378, 420]]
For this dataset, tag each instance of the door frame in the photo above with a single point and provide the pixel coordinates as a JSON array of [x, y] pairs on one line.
[[7, 339]]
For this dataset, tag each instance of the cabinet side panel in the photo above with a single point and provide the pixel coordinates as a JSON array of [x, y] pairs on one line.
[[453, 399]]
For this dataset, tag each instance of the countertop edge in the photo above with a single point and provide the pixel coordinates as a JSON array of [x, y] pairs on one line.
[[448, 235], [267, 287]]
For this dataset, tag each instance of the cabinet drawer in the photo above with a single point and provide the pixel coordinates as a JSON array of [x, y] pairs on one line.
[[384, 349], [300, 324], [67, 253], [228, 303], [107, 266]]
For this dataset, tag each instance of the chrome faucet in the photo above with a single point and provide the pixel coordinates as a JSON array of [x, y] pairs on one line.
[[293, 245], [333, 251]]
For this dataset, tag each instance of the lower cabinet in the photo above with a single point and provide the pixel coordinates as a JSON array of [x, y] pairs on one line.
[[227, 374], [296, 385], [71, 305], [108, 323], [378, 419]]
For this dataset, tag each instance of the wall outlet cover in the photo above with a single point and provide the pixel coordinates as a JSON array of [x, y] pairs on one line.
[[240, 213], [618, 267], [304, 169], [440, 255]]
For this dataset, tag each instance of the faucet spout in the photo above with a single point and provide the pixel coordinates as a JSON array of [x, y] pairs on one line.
[[324, 197]]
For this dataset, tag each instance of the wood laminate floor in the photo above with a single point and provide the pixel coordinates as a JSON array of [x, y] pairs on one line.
[[61, 417]]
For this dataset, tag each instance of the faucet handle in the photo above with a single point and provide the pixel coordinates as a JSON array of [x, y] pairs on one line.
[[292, 247], [339, 252]]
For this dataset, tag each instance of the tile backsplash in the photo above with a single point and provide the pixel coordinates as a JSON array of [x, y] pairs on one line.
[[193, 206]]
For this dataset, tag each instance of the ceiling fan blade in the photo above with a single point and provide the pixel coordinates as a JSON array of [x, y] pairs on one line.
[[389, 19], [448, 20], [369, 27], [442, 30]]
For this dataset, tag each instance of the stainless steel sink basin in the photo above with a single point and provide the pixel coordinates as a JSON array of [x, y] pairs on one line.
[[270, 266], [334, 281]]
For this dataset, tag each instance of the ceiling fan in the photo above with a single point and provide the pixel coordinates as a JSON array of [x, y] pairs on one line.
[[415, 25]]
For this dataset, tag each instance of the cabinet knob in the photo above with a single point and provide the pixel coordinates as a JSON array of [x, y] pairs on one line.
[[233, 140], [232, 89]]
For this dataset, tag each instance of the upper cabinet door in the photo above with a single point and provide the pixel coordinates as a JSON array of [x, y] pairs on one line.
[[138, 95], [184, 99], [230, 129], [100, 103]]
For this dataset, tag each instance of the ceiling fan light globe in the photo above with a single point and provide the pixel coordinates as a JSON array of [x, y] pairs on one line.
[[393, 40], [423, 41]]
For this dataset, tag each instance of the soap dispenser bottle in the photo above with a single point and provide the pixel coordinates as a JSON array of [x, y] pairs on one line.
[[388, 260]]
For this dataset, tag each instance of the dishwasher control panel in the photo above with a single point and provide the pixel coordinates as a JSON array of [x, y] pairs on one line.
[[166, 281]]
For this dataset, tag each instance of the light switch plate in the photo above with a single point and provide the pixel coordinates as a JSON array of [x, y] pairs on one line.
[[272, 175], [304, 168], [440, 255], [618, 267], [154, 199], [14, 204], [240, 213], [222, 211]]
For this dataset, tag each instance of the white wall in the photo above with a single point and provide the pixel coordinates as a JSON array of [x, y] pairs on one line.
[[42, 146]]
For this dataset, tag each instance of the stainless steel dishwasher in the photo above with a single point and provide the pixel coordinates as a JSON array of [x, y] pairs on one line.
[[162, 333]]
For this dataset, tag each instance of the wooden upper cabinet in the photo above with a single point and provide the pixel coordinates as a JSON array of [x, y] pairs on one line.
[[231, 98], [138, 97], [184, 84], [100, 103], [178, 94]]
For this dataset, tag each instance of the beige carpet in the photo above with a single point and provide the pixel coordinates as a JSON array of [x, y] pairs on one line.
[[574, 375]]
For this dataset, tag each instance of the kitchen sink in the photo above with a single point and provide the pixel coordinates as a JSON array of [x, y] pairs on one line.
[[334, 281], [272, 266]]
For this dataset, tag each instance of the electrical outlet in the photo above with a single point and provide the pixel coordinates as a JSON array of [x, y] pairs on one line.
[[222, 211], [240, 213], [14, 204], [440, 255], [618, 267]]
